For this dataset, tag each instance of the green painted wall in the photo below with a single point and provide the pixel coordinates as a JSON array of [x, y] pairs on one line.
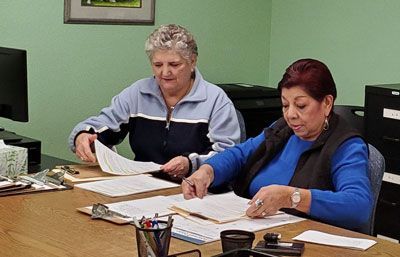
[[74, 70], [357, 39]]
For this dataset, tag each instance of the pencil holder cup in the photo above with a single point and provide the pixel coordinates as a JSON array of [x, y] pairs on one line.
[[154, 241], [236, 239]]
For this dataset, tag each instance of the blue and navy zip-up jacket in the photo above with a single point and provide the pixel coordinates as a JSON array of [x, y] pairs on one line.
[[202, 123]]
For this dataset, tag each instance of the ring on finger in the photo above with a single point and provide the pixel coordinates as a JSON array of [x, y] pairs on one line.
[[263, 213], [259, 203]]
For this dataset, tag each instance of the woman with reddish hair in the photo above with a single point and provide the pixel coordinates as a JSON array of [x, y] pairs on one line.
[[310, 162]]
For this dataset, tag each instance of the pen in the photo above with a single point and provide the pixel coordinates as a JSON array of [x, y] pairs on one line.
[[169, 222], [188, 181]]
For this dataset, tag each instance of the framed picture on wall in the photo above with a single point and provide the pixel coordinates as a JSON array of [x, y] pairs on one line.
[[109, 11]]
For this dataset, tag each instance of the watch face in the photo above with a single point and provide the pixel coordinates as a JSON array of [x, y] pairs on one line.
[[296, 197]]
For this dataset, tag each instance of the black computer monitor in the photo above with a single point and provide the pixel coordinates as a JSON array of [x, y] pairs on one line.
[[13, 89], [13, 84]]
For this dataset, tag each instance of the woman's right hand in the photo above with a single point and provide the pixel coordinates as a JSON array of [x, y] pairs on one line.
[[201, 180], [83, 148]]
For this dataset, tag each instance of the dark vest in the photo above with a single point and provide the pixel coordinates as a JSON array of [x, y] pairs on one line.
[[313, 169]]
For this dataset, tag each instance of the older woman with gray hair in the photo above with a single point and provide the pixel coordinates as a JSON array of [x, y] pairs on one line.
[[174, 118]]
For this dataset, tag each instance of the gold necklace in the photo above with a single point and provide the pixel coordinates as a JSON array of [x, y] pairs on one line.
[[172, 106]]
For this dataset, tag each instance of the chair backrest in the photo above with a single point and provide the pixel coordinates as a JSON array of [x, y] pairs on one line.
[[354, 115], [376, 168], [242, 126]]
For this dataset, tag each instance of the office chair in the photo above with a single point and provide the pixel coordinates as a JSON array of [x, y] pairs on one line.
[[376, 168], [242, 126], [354, 115]]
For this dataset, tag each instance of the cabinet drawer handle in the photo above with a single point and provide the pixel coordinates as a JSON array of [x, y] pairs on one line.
[[392, 139], [389, 203]]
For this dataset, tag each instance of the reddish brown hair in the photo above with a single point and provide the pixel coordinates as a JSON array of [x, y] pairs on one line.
[[312, 76]]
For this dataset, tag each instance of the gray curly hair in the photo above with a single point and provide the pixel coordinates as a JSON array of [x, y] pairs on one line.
[[171, 37]]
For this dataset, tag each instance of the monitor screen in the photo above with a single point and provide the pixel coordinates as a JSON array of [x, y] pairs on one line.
[[13, 84]]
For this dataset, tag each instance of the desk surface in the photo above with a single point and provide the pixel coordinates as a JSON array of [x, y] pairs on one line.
[[48, 224]]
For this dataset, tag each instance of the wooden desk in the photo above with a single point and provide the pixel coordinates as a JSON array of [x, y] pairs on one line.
[[47, 224]]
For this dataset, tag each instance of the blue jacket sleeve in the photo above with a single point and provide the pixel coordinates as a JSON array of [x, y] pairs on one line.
[[350, 204], [228, 163]]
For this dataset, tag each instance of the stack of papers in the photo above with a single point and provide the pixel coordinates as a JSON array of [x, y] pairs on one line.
[[193, 229], [318, 237], [200, 231], [112, 163], [26, 184], [147, 207], [127, 185], [219, 208]]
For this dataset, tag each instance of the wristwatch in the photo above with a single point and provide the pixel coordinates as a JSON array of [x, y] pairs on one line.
[[295, 198]]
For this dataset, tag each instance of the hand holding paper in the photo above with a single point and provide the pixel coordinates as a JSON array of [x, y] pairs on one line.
[[115, 164]]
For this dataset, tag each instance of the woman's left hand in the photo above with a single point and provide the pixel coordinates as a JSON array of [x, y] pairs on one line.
[[177, 167], [269, 200]]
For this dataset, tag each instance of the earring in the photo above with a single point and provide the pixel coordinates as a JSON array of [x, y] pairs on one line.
[[326, 124]]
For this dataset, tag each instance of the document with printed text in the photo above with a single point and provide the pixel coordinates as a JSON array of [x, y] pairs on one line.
[[200, 231], [127, 185], [219, 208], [113, 163]]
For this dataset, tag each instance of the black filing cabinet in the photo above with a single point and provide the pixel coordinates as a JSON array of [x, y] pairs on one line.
[[382, 128], [259, 105]]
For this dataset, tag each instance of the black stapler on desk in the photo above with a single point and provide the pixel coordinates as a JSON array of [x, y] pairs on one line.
[[273, 245]]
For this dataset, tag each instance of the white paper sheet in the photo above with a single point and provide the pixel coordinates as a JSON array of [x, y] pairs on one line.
[[147, 207], [219, 207], [199, 233], [115, 164], [72, 179], [127, 185], [318, 237]]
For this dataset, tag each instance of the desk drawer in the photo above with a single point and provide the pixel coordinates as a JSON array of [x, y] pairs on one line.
[[387, 219]]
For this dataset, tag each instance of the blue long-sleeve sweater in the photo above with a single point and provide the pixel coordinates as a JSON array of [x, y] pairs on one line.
[[349, 205]]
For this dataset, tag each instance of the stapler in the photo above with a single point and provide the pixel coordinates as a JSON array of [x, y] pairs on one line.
[[273, 245]]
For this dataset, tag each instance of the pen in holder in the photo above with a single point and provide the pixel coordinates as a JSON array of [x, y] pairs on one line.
[[153, 237]]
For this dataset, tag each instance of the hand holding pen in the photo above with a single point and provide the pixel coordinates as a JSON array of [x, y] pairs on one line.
[[197, 184]]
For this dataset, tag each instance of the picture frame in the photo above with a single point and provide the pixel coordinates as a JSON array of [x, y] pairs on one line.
[[110, 12]]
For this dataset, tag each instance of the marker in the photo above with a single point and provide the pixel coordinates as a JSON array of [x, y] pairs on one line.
[[154, 223]]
